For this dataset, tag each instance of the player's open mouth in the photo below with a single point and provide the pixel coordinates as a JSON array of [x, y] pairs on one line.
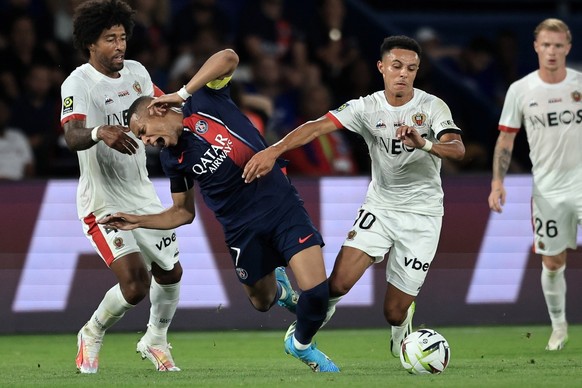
[[160, 142]]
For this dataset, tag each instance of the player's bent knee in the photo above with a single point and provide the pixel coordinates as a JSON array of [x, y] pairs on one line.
[[394, 317], [134, 292], [337, 287], [172, 276], [261, 305]]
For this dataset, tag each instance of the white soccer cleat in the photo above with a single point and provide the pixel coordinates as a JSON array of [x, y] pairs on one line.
[[88, 347], [559, 337], [290, 330], [159, 355], [398, 335]]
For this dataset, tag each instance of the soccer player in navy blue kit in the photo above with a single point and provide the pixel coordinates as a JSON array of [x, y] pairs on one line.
[[265, 224]]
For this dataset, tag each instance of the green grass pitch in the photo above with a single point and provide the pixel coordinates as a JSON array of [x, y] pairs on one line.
[[512, 356]]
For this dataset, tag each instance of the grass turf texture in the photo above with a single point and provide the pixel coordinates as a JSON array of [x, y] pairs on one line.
[[511, 356]]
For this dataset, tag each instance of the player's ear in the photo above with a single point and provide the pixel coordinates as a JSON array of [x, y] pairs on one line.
[[157, 110], [380, 67]]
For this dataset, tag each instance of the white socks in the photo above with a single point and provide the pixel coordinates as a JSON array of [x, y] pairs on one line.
[[164, 299], [331, 308], [298, 345], [110, 310], [402, 327], [554, 288]]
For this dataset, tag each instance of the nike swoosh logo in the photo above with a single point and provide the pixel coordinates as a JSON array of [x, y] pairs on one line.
[[181, 158], [302, 240]]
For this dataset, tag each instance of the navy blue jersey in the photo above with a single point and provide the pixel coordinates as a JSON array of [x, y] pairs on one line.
[[218, 140]]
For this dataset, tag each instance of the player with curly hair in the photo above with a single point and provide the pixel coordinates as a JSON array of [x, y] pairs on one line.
[[113, 176]]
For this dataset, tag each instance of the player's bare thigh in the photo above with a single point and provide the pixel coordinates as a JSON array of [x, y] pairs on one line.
[[350, 265], [308, 267]]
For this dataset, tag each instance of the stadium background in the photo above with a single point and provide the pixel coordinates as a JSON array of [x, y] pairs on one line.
[[484, 271]]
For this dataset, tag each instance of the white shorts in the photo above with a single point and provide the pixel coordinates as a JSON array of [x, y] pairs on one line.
[[555, 221], [159, 246], [411, 239]]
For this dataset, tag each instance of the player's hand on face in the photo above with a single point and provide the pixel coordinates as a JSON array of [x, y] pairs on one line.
[[159, 105], [119, 221], [409, 136], [116, 137], [497, 198], [259, 165]]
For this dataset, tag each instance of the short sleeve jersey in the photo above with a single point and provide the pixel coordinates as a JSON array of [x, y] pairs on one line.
[[403, 178], [552, 117], [217, 142], [109, 181]]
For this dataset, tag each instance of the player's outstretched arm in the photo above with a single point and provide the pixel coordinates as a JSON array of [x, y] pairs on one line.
[[262, 162], [501, 161], [219, 66], [180, 213]]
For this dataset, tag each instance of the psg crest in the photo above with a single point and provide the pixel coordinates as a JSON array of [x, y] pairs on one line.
[[201, 127], [241, 273]]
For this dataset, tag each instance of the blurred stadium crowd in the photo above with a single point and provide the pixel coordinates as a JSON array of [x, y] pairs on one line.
[[299, 59]]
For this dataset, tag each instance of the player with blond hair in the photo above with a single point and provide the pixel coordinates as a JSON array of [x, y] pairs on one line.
[[548, 104]]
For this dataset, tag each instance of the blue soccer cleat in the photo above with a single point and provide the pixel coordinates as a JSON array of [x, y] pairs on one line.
[[291, 297], [315, 359]]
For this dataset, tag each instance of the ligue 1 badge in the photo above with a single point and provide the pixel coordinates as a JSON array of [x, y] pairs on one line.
[[68, 104]]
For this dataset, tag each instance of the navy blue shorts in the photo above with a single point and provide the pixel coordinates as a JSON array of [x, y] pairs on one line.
[[271, 242]]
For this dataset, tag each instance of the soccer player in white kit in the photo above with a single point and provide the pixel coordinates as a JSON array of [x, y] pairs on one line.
[[95, 99], [407, 131], [548, 104]]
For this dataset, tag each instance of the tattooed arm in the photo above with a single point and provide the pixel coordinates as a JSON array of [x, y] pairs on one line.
[[501, 161], [79, 138]]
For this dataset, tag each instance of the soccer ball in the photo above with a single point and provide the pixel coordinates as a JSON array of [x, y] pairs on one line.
[[425, 352]]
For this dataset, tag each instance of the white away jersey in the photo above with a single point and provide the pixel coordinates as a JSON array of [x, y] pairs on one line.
[[403, 179], [552, 117], [110, 181]]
